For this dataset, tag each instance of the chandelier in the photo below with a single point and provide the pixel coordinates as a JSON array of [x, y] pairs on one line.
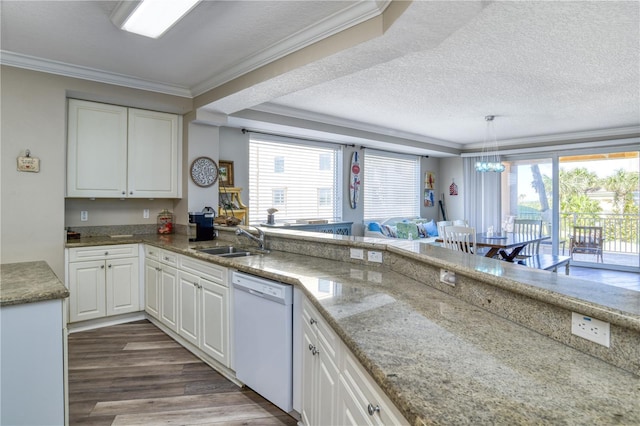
[[490, 160]]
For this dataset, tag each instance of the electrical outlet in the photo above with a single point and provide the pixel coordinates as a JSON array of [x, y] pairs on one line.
[[590, 328], [145, 214], [84, 216], [356, 253], [374, 256], [448, 277]]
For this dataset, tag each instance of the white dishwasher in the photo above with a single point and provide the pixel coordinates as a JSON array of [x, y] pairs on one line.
[[263, 337]]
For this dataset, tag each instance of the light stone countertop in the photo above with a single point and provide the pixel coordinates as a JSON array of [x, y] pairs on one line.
[[29, 282], [442, 360]]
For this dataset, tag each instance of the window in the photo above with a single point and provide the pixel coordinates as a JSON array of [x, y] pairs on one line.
[[278, 165], [325, 197], [391, 185], [307, 188], [278, 197], [325, 162]]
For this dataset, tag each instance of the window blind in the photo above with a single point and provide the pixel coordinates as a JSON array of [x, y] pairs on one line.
[[299, 178], [391, 185]]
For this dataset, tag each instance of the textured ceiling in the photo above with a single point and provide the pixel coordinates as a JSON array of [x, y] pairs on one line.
[[543, 68]]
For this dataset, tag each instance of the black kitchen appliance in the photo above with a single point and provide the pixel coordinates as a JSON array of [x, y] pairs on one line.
[[204, 225]]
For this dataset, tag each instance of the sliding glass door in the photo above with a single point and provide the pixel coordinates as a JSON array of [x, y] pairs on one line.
[[596, 193]]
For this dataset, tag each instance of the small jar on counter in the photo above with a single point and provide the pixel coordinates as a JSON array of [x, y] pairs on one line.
[[165, 222]]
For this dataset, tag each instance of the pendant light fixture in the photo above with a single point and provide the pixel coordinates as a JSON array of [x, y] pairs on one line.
[[490, 160]]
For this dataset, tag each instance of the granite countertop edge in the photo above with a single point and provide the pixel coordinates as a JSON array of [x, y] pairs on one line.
[[29, 282]]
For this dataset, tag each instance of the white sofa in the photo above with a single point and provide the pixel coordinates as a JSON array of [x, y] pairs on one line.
[[409, 228]]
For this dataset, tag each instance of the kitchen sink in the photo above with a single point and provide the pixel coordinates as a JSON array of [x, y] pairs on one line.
[[226, 251]]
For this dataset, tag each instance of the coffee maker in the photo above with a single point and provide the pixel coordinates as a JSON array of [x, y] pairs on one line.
[[203, 222]]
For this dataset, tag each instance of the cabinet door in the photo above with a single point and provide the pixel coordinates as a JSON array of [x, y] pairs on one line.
[[169, 297], [96, 150], [86, 290], [214, 310], [350, 410], [122, 286], [152, 288], [153, 156], [188, 291], [309, 373], [327, 377]]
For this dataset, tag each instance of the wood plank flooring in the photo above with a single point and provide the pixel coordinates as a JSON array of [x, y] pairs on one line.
[[134, 374]]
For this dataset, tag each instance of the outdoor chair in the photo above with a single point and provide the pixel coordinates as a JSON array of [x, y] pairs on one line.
[[587, 240], [460, 238], [528, 228]]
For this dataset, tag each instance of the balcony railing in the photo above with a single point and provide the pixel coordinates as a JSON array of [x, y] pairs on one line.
[[620, 230], [621, 234]]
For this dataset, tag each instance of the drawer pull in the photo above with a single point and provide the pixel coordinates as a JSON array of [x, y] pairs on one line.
[[372, 410], [312, 321]]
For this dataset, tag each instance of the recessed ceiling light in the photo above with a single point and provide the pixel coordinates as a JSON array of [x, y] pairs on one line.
[[150, 18]]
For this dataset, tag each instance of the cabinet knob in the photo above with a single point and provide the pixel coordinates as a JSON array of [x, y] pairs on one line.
[[315, 351], [124, 193], [312, 321], [310, 347], [158, 269], [372, 410], [101, 266], [106, 253], [109, 266], [130, 192]]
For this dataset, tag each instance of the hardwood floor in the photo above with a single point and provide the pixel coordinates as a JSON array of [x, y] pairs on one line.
[[134, 374]]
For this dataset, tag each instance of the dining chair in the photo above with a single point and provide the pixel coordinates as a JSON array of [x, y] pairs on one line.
[[441, 225], [588, 240], [529, 228], [460, 238]]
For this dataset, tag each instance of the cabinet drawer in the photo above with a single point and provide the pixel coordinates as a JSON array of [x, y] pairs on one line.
[[209, 271], [169, 258], [151, 252], [103, 252], [367, 392]]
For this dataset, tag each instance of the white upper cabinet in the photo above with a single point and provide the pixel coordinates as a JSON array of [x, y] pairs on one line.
[[152, 154], [119, 152]]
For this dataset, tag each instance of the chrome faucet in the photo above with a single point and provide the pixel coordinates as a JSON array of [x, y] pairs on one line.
[[259, 240]]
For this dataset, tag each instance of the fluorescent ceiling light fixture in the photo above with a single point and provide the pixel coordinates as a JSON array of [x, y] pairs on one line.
[[150, 18]]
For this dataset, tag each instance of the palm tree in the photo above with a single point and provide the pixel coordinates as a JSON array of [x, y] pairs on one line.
[[623, 184]]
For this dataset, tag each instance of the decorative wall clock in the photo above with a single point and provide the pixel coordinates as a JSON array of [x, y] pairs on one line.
[[204, 171]]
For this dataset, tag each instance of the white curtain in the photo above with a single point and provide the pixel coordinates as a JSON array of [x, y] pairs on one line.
[[483, 197]]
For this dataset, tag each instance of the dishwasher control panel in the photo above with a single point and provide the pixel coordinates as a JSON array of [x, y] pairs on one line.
[[260, 286]]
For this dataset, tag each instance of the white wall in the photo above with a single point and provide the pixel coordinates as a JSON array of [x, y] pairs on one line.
[[451, 171], [203, 142], [33, 116]]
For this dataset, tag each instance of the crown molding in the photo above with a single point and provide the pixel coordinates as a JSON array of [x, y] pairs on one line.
[[339, 21], [549, 140], [85, 73], [356, 125]]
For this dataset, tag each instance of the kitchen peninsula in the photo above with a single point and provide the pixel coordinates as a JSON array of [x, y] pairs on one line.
[[32, 336], [456, 354]]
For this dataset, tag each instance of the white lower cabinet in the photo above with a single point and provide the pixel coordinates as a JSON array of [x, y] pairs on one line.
[[362, 402], [320, 372], [169, 297], [104, 284], [336, 390], [204, 307], [191, 298]]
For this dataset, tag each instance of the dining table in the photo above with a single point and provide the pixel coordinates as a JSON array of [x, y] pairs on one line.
[[507, 245]]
